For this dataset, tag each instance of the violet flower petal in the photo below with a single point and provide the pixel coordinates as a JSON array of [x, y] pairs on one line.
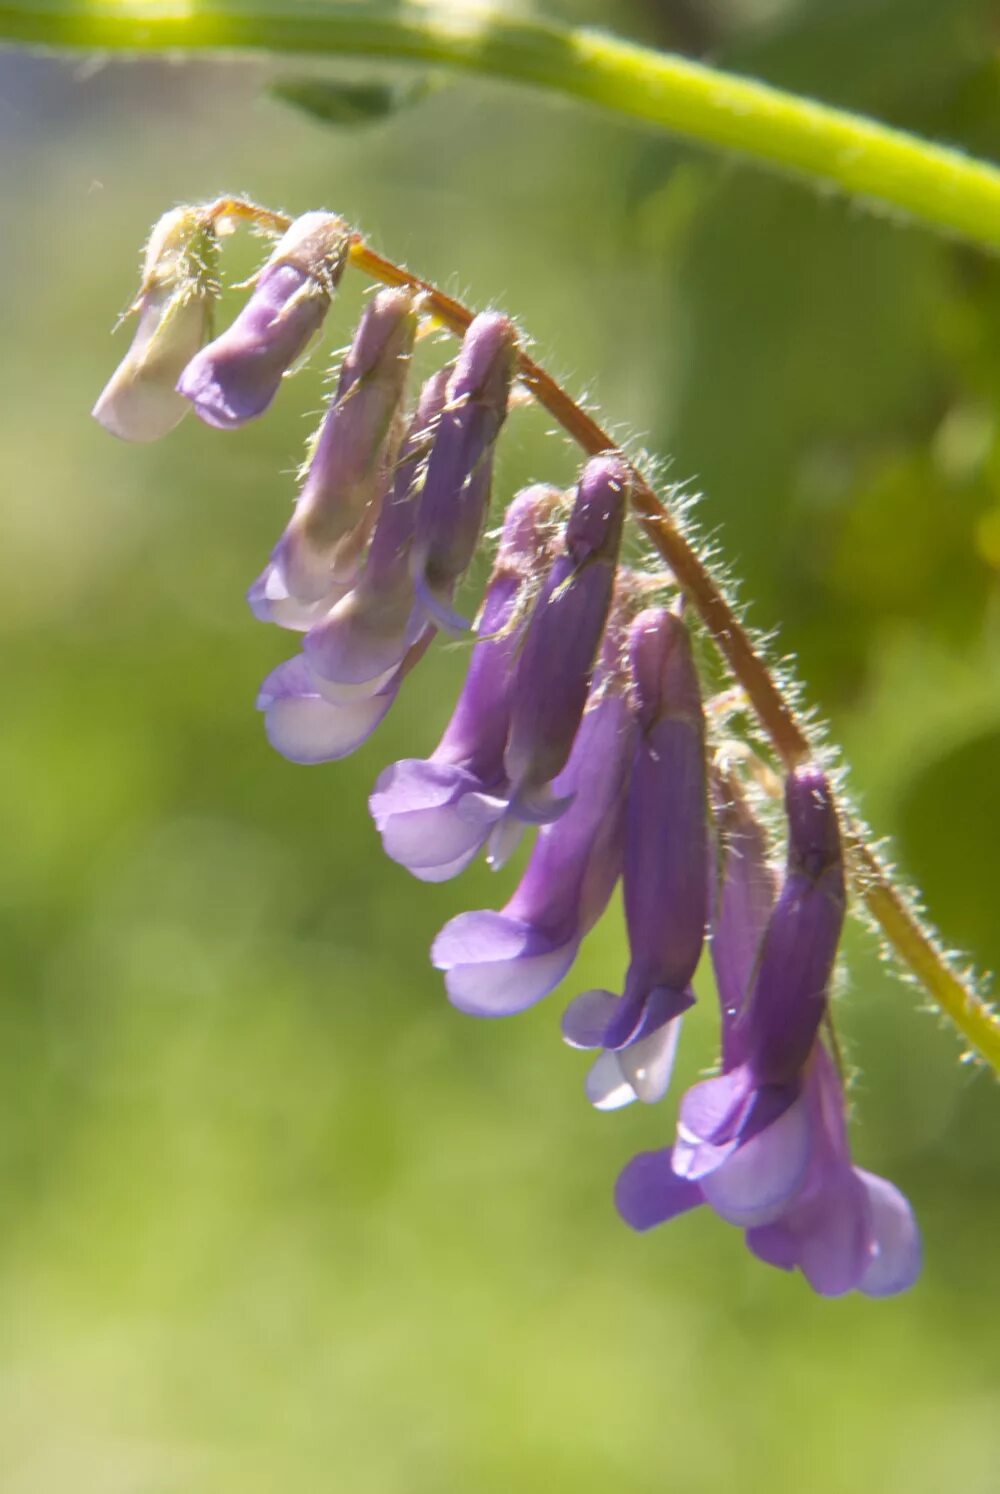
[[648, 1191], [562, 638], [347, 473], [499, 963], [236, 377], [456, 489]]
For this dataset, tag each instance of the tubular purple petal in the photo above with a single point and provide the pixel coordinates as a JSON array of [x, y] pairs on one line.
[[236, 377], [563, 637], [425, 811], [456, 490], [348, 469], [499, 963], [744, 896], [370, 629], [789, 995]]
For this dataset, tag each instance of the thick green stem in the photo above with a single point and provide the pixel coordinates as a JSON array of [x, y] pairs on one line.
[[878, 166]]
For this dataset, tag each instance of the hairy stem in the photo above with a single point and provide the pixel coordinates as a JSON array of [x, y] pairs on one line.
[[875, 165]]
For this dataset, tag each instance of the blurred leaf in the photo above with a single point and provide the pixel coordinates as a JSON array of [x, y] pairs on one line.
[[342, 103]]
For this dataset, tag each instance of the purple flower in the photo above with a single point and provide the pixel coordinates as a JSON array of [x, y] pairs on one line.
[[305, 726], [787, 1178], [236, 377], [665, 874], [434, 816], [456, 490], [348, 471], [496, 964], [773, 1035], [175, 302], [844, 1228], [562, 639], [363, 634]]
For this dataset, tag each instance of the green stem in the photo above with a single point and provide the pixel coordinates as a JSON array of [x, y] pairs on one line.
[[831, 147]]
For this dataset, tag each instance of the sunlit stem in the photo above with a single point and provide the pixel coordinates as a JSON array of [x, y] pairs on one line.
[[877, 166]]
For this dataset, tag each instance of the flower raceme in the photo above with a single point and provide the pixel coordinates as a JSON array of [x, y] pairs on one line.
[[581, 719]]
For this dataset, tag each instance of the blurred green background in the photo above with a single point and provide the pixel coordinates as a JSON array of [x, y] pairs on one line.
[[272, 1215]]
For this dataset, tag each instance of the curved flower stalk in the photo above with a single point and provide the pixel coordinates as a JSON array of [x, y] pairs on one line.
[[611, 760]]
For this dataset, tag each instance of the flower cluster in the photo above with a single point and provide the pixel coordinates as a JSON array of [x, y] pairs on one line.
[[581, 717]]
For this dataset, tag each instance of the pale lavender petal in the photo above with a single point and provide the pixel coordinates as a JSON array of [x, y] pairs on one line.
[[270, 601], [304, 727], [755, 1184], [585, 1020], [432, 816], [606, 1086], [648, 1063], [648, 1191], [496, 965], [898, 1254], [835, 1236]]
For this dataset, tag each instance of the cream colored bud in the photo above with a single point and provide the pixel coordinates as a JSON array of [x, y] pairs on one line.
[[174, 305]]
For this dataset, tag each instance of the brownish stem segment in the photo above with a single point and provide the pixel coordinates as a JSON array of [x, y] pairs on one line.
[[914, 944]]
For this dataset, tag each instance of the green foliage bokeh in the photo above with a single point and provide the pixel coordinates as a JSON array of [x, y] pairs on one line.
[[275, 1217]]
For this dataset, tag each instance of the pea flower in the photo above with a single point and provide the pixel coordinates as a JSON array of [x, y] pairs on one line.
[[364, 633], [236, 377], [665, 877], [435, 815], [768, 1150], [174, 306], [497, 964]]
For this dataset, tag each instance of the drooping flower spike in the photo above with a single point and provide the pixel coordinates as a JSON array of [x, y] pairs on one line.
[[665, 874], [588, 731], [236, 377]]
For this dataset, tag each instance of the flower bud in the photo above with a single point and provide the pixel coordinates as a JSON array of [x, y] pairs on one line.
[[174, 305], [236, 377], [348, 466], [456, 492]]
